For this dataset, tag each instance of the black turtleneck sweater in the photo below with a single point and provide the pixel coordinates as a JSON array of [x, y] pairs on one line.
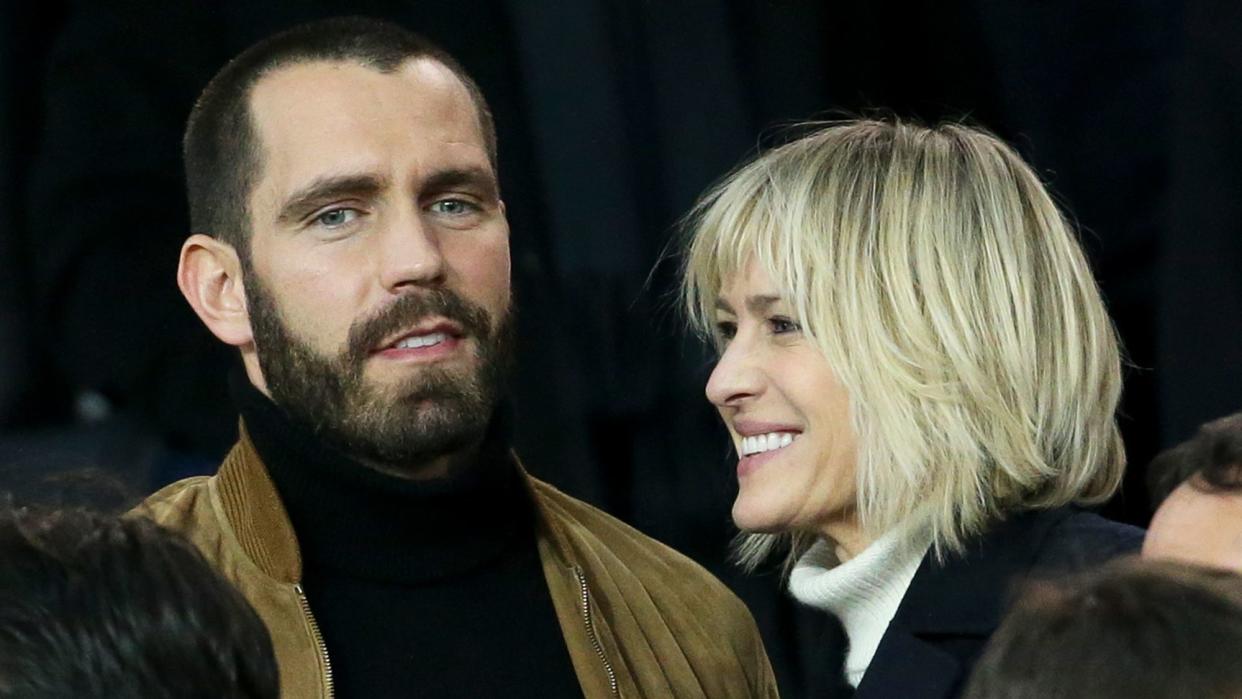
[[420, 588]]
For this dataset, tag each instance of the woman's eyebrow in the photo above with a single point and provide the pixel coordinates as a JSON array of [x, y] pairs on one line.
[[761, 302], [757, 303]]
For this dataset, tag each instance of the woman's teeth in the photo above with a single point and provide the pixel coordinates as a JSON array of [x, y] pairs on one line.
[[766, 442]]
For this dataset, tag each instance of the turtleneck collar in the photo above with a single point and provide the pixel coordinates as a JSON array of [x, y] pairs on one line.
[[863, 592], [353, 520]]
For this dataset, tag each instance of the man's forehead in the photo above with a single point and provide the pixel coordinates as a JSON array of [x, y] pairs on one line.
[[1196, 495], [325, 88], [1199, 523], [422, 68], [324, 117]]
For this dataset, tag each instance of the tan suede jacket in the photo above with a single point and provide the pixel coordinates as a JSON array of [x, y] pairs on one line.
[[640, 619]]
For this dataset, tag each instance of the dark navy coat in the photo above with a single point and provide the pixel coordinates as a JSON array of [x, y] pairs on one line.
[[952, 607]]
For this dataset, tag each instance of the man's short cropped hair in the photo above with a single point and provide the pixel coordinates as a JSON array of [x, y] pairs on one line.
[[93, 606], [221, 149], [1212, 460], [1135, 629]]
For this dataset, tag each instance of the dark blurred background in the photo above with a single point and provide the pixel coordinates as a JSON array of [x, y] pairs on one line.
[[613, 115]]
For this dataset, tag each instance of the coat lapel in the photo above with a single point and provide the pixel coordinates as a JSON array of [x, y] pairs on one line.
[[914, 669], [950, 610]]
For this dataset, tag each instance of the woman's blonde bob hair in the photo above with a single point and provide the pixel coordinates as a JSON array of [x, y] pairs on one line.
[[952, 300]]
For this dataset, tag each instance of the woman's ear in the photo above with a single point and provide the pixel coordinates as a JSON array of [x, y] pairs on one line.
[[210, 277]]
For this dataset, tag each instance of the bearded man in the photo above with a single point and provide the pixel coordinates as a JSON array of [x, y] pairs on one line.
[[350, 240]]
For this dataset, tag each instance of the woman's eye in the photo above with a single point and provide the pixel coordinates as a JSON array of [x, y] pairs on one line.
[[781, 326], [726, 330], [335, 218]]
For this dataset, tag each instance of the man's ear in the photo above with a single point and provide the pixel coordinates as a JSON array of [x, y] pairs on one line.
[[210, 277]]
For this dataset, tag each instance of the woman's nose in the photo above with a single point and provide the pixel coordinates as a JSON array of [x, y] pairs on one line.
[[735, 378]]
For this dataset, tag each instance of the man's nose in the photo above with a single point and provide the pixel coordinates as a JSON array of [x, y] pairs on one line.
[[410, 254], [736, 377]]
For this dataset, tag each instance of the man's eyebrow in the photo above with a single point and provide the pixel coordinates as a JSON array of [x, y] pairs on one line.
[[326, 189], [477, 178]]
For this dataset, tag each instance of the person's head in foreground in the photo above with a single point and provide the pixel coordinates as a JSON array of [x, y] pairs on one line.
[[1132, 630], [351, 241], [95, 606], [1197, 486], [910, 339]]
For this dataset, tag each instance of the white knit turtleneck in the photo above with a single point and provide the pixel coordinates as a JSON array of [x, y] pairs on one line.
[[863, 592]]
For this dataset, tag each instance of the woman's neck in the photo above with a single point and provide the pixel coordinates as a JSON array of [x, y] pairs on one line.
[[845, 536]]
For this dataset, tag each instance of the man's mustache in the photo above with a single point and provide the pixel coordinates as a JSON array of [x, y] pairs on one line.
[[409, 310]]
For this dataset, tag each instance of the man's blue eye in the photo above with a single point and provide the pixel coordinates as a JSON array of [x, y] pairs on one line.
[[335, 218], [453, 207]]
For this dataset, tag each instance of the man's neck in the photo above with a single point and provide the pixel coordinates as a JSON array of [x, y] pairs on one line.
[[435, 468]]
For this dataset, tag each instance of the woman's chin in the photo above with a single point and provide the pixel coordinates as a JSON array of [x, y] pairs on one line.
[[753, 518]]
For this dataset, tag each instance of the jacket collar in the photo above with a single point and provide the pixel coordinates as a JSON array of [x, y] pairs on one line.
[[255, 513], [962, 597]]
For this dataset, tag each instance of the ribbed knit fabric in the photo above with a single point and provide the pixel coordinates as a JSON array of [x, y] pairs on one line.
[[864, 592]]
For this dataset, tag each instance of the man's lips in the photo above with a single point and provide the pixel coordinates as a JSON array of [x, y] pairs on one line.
[[427, 341], [419, 334]]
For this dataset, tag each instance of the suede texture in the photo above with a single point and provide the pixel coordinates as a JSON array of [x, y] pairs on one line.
[[663, 624]]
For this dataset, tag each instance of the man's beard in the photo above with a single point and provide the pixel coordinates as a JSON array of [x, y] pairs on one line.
[[435, 412]]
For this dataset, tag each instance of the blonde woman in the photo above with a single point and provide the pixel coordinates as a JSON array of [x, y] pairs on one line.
[[920, 380]]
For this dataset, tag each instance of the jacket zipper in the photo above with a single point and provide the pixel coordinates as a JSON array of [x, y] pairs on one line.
[[590, 627], [318, 638]]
